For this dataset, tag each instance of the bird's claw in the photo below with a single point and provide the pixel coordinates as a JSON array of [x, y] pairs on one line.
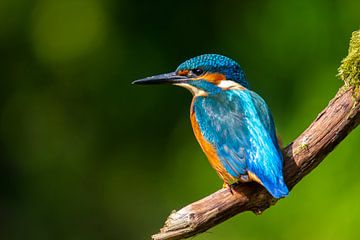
[[229, 187]]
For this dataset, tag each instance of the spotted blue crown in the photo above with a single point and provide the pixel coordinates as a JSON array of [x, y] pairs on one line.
[[216, 63]]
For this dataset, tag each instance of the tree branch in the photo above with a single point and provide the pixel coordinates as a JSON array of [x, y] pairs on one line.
[[330, 127]]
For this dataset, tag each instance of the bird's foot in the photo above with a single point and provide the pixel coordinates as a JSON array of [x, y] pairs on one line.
[[229, 187]]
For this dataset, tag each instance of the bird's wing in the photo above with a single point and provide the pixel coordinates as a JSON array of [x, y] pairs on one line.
[[265, 116], [239, 125]]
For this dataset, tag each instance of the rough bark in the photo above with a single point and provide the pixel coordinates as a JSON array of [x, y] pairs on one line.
[[304, 154]]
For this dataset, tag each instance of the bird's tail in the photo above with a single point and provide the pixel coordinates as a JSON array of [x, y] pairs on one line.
[[276, 187]]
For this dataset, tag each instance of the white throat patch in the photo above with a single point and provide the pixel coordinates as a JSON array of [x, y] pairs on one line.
[[229, 84], [195, 91]]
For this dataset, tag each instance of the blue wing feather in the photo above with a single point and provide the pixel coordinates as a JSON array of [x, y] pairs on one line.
[[239, 125]]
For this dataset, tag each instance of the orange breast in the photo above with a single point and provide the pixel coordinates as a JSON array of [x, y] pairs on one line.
[[209, 149]]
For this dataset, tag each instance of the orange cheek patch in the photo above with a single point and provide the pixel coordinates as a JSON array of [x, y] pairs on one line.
[[215, 78]]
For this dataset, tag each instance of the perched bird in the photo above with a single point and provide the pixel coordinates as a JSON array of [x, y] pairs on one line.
[[232, 124]]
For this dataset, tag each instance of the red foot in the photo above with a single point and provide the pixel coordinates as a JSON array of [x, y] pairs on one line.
[[229, 187]]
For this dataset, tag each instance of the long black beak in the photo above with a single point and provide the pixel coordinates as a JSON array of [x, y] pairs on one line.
[[162, 78]]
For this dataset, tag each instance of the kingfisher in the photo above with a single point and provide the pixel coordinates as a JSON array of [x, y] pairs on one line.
[[232, 123]]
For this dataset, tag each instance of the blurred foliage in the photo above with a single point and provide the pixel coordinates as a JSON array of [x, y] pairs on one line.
[[86, 155]]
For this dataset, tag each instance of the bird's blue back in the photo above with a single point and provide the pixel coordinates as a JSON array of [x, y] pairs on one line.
[[239, 125]]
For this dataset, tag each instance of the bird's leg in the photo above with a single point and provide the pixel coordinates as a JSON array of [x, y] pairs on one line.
[[229, 187]]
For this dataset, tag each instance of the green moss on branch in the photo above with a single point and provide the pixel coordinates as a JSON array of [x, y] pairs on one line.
[[349, 71]]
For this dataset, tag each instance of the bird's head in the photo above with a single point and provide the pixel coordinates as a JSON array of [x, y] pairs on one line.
[[203, 75]]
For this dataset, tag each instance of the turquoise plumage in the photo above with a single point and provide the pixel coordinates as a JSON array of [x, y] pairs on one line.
[[233, 124]]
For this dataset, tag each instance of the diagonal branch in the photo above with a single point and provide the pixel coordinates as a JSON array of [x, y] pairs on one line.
[[330, 127]]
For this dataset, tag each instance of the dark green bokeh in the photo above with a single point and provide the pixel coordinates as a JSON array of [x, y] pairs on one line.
[[86, 155]]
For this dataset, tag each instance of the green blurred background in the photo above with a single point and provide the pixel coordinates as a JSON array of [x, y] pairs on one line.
[[86, 155]]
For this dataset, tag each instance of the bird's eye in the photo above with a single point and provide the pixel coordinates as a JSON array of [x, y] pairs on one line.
[[197, 71]]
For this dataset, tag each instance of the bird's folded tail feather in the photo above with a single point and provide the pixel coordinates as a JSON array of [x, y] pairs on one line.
[[275, 186]]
